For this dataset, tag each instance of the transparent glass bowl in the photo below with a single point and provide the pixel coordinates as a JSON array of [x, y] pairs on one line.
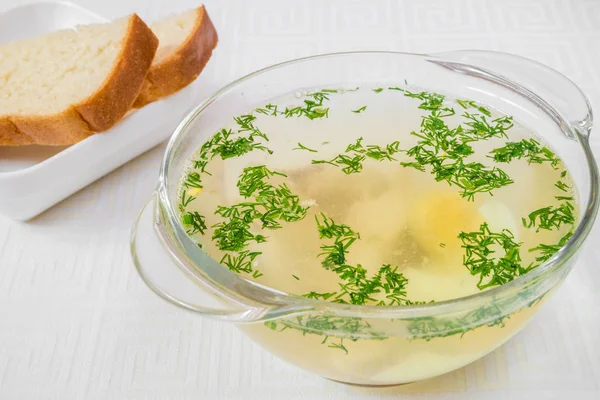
[[369, 345]]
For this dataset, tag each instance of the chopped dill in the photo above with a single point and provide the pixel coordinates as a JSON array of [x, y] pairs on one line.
[[359, 110], [562, 186], [269, 109], [195, 221], [246, 124], [445, 150], [242, 262], [352, 160], [226, 144], [271, 325], [319, 296], [568, 198], [482, 129], [253, 178], [226, 148], [270, 205], [378, 90], [431, 102], [302, 147], [339, 345], [193, 181], [312, 108], [527, 149], [185, 201], [471, 104], [480, 260], [551, 217], [235, 234], [348, 328], [356, 287], [548, 250]]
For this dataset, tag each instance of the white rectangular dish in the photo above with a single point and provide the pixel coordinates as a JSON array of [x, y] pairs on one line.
[[34, 178]]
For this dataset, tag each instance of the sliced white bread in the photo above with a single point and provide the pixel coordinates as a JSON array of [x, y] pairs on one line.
[[60, 88], [186, 42]]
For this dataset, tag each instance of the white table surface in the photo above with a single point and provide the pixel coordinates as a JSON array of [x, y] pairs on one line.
[[76, 321]]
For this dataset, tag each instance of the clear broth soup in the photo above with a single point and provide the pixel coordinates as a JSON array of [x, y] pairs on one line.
[[380, 196]]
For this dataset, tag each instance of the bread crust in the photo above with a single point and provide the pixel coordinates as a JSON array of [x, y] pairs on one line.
[[183, 66], [102, 109], [10, 135], [61, 129], [118, 93]]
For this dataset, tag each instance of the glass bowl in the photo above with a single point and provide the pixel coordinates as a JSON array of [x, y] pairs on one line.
[[370, 345]]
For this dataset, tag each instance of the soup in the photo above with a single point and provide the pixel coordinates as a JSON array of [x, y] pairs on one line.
[[377, 196]]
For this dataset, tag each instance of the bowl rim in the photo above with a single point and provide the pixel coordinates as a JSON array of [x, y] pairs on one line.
[[580, 232]]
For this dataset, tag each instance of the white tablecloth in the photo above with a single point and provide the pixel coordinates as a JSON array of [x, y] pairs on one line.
[[76, 321]]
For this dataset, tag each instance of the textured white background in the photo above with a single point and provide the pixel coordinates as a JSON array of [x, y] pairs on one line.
[[76, 322]]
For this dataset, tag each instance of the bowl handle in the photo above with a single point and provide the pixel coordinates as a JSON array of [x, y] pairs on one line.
[[547, 88], [159, 270]]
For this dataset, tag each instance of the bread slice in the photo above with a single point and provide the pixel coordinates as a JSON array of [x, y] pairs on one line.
[[60, 88], [186, 42]]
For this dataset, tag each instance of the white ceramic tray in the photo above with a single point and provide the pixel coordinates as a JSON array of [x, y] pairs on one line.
[[34, 178]]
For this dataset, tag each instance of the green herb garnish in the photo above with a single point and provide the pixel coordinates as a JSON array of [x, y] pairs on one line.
[[427, 328], [192, 181], [339, 345], [356, 287], [431, 102], [356, 153], [227, 144], [551, 217], [241, 262], [471, 104], [185, 201], [267, 204], [359, 110], [226, 148], [252, 180], [195, 221], [302, 147], [312, 109], [319, 296], [246, 124], [482, 129], [445, 150], [269, 109], [479, 259], [527, 149], [548, 250], [235, 234], [562, 186], [348, 328]]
